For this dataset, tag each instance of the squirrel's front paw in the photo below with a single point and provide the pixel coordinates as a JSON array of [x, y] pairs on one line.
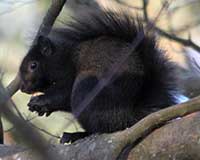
[[40, 104]]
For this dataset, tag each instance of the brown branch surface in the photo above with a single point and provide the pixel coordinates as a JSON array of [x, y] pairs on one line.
[[154, 120], [179, 139], [109, 146], [106, 146]]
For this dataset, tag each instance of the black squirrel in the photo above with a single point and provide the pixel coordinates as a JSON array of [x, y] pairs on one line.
[[68, 64]]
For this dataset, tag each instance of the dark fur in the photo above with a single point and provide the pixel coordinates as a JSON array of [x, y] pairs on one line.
[[83, 53]]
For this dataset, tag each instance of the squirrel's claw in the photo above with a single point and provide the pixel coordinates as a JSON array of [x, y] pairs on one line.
[[40, 105]]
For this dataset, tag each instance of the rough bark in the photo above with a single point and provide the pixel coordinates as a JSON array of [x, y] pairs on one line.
[[179, 139]]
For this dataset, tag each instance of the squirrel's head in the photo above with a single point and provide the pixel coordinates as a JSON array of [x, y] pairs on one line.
[[33, 69]]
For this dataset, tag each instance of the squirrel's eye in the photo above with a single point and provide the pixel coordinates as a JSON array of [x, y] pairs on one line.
[[33, 66]]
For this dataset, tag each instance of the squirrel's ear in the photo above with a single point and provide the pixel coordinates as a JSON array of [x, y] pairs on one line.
[[45, 45]]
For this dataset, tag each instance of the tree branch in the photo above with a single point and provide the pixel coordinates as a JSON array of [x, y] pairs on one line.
[[45, 28], [49, 19], [30, 135], [162, 143], [154, 120], [178, 139], [145, 13], [185, 42]]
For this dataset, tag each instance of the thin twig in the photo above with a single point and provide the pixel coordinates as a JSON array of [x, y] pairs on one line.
[[44, 131], [30, 135], [145, 6], [18, 111], [27, 120], [185, 42]]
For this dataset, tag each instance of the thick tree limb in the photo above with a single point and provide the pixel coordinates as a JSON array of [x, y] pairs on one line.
[[178, 139], [154, 120], [106, 146], [109, 146]]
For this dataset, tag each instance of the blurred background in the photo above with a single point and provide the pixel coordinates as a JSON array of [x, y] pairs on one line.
[[20, 19]]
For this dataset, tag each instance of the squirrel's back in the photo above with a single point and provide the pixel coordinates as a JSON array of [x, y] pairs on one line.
[[143, 83]]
